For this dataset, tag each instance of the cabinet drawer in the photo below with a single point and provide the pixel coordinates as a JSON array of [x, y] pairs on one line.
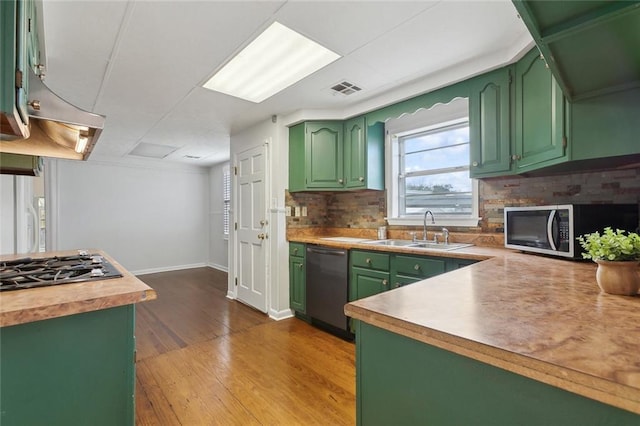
[[418, 266], [370, 260], [296, 249], [399, 281]]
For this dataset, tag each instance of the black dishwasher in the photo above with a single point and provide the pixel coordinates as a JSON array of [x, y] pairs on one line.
[[328, 286]]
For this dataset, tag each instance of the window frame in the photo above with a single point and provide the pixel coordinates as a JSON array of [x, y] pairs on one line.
[[441, 115]]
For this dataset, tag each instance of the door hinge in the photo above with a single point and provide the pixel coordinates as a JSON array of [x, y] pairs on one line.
[[236, 280], [235, 170], [18, 79], [235, 226]]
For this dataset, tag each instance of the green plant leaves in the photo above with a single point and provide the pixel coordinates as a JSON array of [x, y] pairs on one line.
[[610, 245]]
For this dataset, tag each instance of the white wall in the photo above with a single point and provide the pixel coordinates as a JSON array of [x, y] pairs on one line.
[[148, 218], [218, 242], [277, 270]]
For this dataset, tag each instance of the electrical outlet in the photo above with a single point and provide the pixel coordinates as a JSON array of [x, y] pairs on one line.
[[304, 211], [287, 211], [297, 211]]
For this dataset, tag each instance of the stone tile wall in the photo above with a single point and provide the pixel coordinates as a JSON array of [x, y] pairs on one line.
[[367, 209]]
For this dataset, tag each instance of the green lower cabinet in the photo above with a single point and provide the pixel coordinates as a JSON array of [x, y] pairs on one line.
[[453, 263], [365, 283], [401, 381], [297, 278], [72, 370]]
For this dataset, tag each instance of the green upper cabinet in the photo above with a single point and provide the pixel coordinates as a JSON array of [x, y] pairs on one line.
[[363, 154], [336, 155], [540, 115], [592, 46], [324, 155], [13, 69], [489, 123]]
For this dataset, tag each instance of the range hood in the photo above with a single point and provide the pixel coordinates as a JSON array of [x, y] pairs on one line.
[[56, 128]]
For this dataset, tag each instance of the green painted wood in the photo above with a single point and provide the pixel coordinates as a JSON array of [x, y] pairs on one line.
[[417, 266], [489, 123], [72, 370], [375, 157], [571, 34], [370, 260], [297, 158], [540, 111], [355, 153], [366, 282], [397, 281], [454, 263], [297, 284], [606, 126], [424, 101], [324, 155], [400, 381]]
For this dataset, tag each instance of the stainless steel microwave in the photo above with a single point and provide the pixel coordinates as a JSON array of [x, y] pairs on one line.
[[553, 230]]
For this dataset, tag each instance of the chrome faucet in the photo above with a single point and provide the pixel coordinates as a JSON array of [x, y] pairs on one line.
[[424, 222], [445, 234]]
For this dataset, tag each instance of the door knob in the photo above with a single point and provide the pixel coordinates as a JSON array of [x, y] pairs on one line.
[[262, 236], [263, 222]]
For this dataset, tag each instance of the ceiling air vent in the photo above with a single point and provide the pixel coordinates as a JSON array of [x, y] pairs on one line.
[[346, 88]]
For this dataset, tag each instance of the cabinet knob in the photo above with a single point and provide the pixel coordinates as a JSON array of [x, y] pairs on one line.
[[300, 266], [341, 181], [295, 251], [396, 285], [361, 179], [368, 261], [474, 164], [416, 267], [35, 104], [385, 282], [515, 157]]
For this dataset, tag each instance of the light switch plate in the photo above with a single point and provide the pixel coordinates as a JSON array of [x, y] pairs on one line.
[[287, 211], [297, 211], [304, 211]]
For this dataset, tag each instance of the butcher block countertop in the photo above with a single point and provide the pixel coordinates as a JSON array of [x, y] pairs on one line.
[[40, 303], [540, 317]]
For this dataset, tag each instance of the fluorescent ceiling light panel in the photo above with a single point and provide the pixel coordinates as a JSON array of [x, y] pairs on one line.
[[276, 59]]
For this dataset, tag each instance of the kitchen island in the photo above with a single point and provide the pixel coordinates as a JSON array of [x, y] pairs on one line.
[[516, 339], [67, 352]]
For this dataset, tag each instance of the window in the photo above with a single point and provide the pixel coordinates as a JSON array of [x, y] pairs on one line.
[[226, 198], [428, 167]]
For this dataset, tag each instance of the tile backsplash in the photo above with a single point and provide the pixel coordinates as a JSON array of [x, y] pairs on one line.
[[367, 209]]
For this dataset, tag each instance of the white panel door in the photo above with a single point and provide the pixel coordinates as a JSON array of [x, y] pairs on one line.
[[251, 247]]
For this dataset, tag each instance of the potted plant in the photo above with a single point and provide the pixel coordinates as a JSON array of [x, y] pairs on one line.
[[617, 256]]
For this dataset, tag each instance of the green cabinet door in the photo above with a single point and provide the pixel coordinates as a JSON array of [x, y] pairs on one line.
[[363, 154], [540, 115], [14, 76], [72, 370], [355, 151], [489, 123], [324, 155], [365, 283], [297, 278]]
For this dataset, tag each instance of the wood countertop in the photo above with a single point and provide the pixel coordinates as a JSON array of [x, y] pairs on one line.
[[40, 303]]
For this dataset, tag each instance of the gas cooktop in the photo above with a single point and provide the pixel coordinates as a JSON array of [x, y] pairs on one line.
[[46, 271]]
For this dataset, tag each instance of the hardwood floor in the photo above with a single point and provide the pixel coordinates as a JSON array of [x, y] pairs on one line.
[[206, 360]]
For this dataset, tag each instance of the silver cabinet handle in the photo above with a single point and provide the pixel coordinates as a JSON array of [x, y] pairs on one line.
[[368, 261], [474, 164], [295, 251], [300, 266], [416, 267], [385, 282], [361, 179], [341, 181]]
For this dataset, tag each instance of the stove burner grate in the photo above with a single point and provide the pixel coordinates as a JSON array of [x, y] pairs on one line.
[[28, 273]]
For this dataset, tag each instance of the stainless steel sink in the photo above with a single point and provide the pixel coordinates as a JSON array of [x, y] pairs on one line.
[[439, 246], [399, 243], [418, 244]]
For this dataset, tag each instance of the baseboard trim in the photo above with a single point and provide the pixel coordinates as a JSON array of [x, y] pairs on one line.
[[169, 268], [219, 267], [231, 295], [280, 315]]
